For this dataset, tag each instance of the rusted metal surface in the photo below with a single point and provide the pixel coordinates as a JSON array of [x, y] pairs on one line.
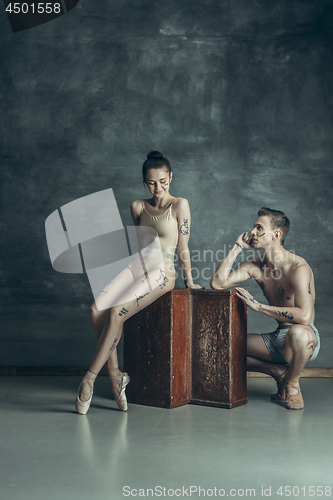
[[188, 346], [180, 349], [156, 352], [218, 349]]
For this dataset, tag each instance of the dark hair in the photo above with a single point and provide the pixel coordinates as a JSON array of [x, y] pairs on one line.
[[155, 159], [278, 220]]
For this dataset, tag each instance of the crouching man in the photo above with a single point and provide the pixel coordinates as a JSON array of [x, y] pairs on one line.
[[288, 285]]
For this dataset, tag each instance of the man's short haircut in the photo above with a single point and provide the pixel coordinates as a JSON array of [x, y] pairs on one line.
[[278, 220]]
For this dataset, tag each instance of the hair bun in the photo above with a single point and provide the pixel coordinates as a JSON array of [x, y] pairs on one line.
[[154, 154]]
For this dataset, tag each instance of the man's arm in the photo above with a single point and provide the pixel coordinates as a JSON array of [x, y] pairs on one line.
[[225, 277], [301, 313]]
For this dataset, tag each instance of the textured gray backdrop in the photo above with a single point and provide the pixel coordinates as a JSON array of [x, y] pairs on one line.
[[237, 94]]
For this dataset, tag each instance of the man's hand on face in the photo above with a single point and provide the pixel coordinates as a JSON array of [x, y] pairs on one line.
[[244, 241]]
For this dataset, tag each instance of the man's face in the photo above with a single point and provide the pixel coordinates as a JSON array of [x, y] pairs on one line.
[[262, 233]]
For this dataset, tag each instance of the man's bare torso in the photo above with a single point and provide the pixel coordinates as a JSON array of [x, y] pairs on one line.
[[276, 283]]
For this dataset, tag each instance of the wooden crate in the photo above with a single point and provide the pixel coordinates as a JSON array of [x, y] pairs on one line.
[[188, 346], [157, 352], [218, 348]]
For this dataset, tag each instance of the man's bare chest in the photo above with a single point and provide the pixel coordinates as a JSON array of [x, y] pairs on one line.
[[276, 287]]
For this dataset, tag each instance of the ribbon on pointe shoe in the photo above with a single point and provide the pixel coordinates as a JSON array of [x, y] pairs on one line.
[[118, 386]]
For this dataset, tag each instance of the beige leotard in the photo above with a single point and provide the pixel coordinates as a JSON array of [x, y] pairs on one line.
[[167, 229]]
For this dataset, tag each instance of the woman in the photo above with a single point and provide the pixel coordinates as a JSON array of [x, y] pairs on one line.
[[147, 278]]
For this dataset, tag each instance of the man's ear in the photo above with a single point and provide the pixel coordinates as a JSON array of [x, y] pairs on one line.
[[277, 234]]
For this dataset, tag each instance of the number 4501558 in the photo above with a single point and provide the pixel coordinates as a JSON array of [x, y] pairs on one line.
[[305, 491], [40, 8]]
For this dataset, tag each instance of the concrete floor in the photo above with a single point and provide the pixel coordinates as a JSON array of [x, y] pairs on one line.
[[50, 452]]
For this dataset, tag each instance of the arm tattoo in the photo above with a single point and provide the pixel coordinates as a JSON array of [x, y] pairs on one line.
[[286, 314], [252, 300], [309, 289], [281, 292], [184, 227], [123, 311]]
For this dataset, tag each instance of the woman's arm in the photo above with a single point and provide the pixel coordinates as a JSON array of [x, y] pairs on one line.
[[184, 222], [136, 210]]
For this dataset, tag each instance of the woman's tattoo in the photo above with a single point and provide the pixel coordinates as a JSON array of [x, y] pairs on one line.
[[114, 345], [112, 282], [123, 311], [184, 227], [160, 276], [309, 289], [140, 297], [286, 314], [281, 292], [165, 281]]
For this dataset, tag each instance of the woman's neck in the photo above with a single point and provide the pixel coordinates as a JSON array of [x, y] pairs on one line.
[[161, 202]]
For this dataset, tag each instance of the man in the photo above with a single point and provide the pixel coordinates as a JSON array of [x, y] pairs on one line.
[[288, 285]]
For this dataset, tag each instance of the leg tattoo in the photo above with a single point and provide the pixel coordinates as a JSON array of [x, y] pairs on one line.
[[140, 297], [123, 311], [114, 345]]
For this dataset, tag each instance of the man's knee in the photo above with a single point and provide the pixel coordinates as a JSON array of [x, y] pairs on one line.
[[298, 337]]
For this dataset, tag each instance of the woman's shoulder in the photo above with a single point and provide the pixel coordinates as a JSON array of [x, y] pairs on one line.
[[137, 207], [180, 203], [137, 203]]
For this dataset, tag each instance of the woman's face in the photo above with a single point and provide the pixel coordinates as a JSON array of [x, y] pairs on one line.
[[158, 181]]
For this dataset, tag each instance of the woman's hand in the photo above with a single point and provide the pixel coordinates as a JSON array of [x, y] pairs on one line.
[[194, 286]]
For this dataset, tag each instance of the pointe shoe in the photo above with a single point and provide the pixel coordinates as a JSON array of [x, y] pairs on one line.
[[118, 386], [83, 406], [280, 395], [294, 401]]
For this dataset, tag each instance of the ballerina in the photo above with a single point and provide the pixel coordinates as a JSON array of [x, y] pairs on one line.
[[136, 286]]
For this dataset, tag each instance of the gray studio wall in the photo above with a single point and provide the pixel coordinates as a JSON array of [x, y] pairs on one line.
[[238, 95]]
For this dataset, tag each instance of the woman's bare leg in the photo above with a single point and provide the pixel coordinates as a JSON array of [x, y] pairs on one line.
[[99, 318], [160, 280]]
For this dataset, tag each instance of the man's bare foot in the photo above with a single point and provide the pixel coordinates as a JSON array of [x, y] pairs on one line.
[[280, 395]]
